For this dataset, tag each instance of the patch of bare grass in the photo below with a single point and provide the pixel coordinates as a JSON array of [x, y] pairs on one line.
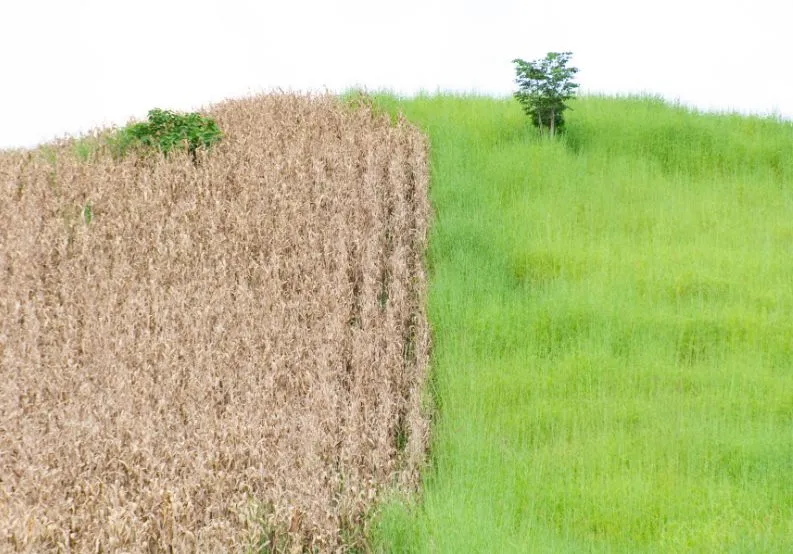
[[215, 356]]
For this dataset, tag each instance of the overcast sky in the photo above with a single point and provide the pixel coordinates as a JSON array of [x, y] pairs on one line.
[[70, 65]]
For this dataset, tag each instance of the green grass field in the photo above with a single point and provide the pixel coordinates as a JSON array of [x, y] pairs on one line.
[[612, 319]]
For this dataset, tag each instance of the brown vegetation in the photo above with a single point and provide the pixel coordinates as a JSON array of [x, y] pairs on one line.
[[213, 357]]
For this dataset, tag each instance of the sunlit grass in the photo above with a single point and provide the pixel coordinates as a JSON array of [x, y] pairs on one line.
[[613, 332]]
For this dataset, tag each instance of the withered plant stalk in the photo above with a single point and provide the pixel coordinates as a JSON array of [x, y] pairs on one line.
[[197, 357]]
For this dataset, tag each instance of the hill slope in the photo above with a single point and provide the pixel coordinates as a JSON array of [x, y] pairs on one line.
[[197, 358], [612, 320]]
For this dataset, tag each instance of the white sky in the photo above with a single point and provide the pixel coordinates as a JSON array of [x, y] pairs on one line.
[[70, 65]]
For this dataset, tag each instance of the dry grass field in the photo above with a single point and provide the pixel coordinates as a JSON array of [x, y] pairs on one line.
[[219, 357]]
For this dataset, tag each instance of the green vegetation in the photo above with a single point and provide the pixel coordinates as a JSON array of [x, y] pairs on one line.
[[613, 339], [166, 130], [544, 89]]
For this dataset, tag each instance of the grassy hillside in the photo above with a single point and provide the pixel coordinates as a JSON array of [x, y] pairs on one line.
[[613, 340]]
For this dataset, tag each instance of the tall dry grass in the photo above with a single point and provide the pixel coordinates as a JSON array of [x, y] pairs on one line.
[[212, 357]]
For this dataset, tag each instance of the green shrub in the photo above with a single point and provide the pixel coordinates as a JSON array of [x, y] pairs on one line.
[[166, 130]]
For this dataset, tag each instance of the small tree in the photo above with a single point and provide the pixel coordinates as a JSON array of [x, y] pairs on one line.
[[545, 86]]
